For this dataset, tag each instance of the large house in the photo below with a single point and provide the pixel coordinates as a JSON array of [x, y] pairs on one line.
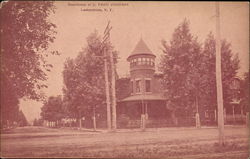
[[143, 93]]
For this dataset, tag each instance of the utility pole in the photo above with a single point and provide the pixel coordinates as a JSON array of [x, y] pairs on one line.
[[113, 91], [106, 36], [107, 91], [107, 53], [113, 94], [218, 78]]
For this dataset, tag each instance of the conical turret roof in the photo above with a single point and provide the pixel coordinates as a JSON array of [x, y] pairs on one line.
[[141, 49]]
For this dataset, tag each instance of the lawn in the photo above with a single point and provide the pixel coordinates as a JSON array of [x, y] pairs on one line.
[[152, 143]]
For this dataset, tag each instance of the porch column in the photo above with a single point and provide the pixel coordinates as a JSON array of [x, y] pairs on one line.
[[146, 110], [233, 114], [247, 119], [241, 113], [215, 115], [143, 117], [225, 116], [142, 108]]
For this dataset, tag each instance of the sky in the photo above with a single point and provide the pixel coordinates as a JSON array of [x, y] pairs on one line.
[[130, 21]]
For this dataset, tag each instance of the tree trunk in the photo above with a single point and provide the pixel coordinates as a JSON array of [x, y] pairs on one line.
[[80, 123], [234, 115], [94, 120], [80, 120], [247, 119], [197, 120], [174, 118], [197, 115]]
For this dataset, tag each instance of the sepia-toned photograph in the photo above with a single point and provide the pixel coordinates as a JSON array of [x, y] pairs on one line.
[[124, 79]]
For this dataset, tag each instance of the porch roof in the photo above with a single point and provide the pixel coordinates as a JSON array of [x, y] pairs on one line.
[[145, 97]]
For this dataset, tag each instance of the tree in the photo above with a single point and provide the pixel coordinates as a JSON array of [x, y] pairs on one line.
[[70, 90], [24, 47], [37, 122], [52, 109], [122, 87], [244, 92], [9, 104], [84, 91], [26, 33], [189, 71], [230, 66], [180, 65]]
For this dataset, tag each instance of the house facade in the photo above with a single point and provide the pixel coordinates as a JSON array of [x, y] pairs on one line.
[[144, 94]]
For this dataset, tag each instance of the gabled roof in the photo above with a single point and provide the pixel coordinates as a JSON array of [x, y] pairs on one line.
[[141, 49]]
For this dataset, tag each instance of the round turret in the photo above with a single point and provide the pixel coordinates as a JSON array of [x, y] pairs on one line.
[[141, 58], [142, 68]]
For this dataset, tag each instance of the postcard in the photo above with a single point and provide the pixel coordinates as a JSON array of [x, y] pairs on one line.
[[124, 79]]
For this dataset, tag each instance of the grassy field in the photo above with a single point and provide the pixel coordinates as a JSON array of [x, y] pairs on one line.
[[153, 143]]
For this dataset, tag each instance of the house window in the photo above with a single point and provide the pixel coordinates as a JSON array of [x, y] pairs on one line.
[[132, 86], [206, 114], [139, 61], [143, 61], [148, 61], [151, 61], [148, 85], [138, 86]]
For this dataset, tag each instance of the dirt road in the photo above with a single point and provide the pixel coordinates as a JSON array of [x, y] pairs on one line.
[[165, 142]]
